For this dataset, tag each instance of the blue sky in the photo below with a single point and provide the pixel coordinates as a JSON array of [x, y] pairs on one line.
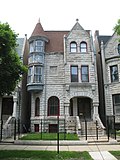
[[22, 15]]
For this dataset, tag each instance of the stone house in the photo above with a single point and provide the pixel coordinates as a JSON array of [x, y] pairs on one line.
[[13, 106], [62, 78], [108, 67]]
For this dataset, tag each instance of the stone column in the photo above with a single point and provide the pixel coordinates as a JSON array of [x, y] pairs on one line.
[[66, 108], [14, 106], [75, 107], [95, 110]]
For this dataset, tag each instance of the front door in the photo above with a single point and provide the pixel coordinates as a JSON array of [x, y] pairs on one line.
[[84, 107]]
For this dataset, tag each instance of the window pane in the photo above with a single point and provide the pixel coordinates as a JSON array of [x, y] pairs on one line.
[[74, 73], [39, 46], [114, 73], [83, 47], [116, 104], [53, 106], [31, 47], [38, 74], [30, 59], [84, 74], [38, 58], [30, 74], [73, 47]]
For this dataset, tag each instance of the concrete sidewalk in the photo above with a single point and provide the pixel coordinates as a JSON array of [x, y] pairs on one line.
[[97, 151]]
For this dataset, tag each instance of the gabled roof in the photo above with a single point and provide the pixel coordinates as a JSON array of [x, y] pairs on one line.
[[56, 38], [104, 39]]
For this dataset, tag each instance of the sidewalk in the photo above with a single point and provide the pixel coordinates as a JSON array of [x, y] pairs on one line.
[[97, 151]]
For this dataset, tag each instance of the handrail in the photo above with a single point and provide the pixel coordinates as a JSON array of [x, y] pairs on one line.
[[100, 124], [78, 125]]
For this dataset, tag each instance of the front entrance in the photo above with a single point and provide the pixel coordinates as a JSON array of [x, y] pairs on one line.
[[80, 106], [84, 107]]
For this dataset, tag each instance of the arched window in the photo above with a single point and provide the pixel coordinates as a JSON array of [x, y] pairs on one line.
[[53, 106], [119, 48], [83, 47], [37, 106], [73, 47]]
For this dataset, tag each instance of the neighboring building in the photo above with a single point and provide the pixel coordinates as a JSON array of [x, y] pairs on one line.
[[108, 66], [62, 77], [14, 105]]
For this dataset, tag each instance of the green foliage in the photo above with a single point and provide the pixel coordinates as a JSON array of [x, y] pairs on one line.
[[10, 65], [49, 136], [43, 155], [117, 27]]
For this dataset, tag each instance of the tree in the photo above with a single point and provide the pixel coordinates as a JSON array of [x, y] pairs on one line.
[[117, 27], [11, 67]]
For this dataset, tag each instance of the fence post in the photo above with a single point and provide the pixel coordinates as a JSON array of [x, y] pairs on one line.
[[97, 130], [1, 126], [108, 128], [18, 128], [114, 129], [15, 129], [58, 134], [64, 130], [41, 128], [85, 128]]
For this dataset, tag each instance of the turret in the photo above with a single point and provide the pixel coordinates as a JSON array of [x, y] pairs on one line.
[[36, 59]]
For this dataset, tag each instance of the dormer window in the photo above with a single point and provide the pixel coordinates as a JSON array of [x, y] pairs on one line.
[[119, 48], [83, 47], [73, 47]]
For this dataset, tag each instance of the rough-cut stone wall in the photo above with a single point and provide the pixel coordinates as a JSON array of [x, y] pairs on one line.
[[111, 58]]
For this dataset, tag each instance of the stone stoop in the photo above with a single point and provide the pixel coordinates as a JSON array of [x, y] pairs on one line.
[[91, 129]]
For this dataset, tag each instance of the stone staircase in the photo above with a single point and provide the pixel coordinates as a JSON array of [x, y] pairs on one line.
[[8, 127], [71, 124], [91, 129]]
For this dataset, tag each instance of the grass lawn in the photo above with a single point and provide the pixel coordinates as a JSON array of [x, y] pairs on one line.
[[49, 136], [116, 154], [43, 155]]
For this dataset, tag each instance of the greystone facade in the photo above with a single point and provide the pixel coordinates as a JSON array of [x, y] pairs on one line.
[[108, 49], [75, 98]]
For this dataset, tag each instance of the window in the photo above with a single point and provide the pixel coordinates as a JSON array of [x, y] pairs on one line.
[[38, 58], [30, 71], [119, 48], [73, 47], [116, 104], [53, 106], [114, 73], [36, 127], [37, 106], [38, 74], [84, 74], [83, 47], [31, 47], [53, 128], [74, 73], [30, 59], [39, 46]]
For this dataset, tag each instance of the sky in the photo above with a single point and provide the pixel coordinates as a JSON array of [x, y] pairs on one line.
[[22, 15]]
